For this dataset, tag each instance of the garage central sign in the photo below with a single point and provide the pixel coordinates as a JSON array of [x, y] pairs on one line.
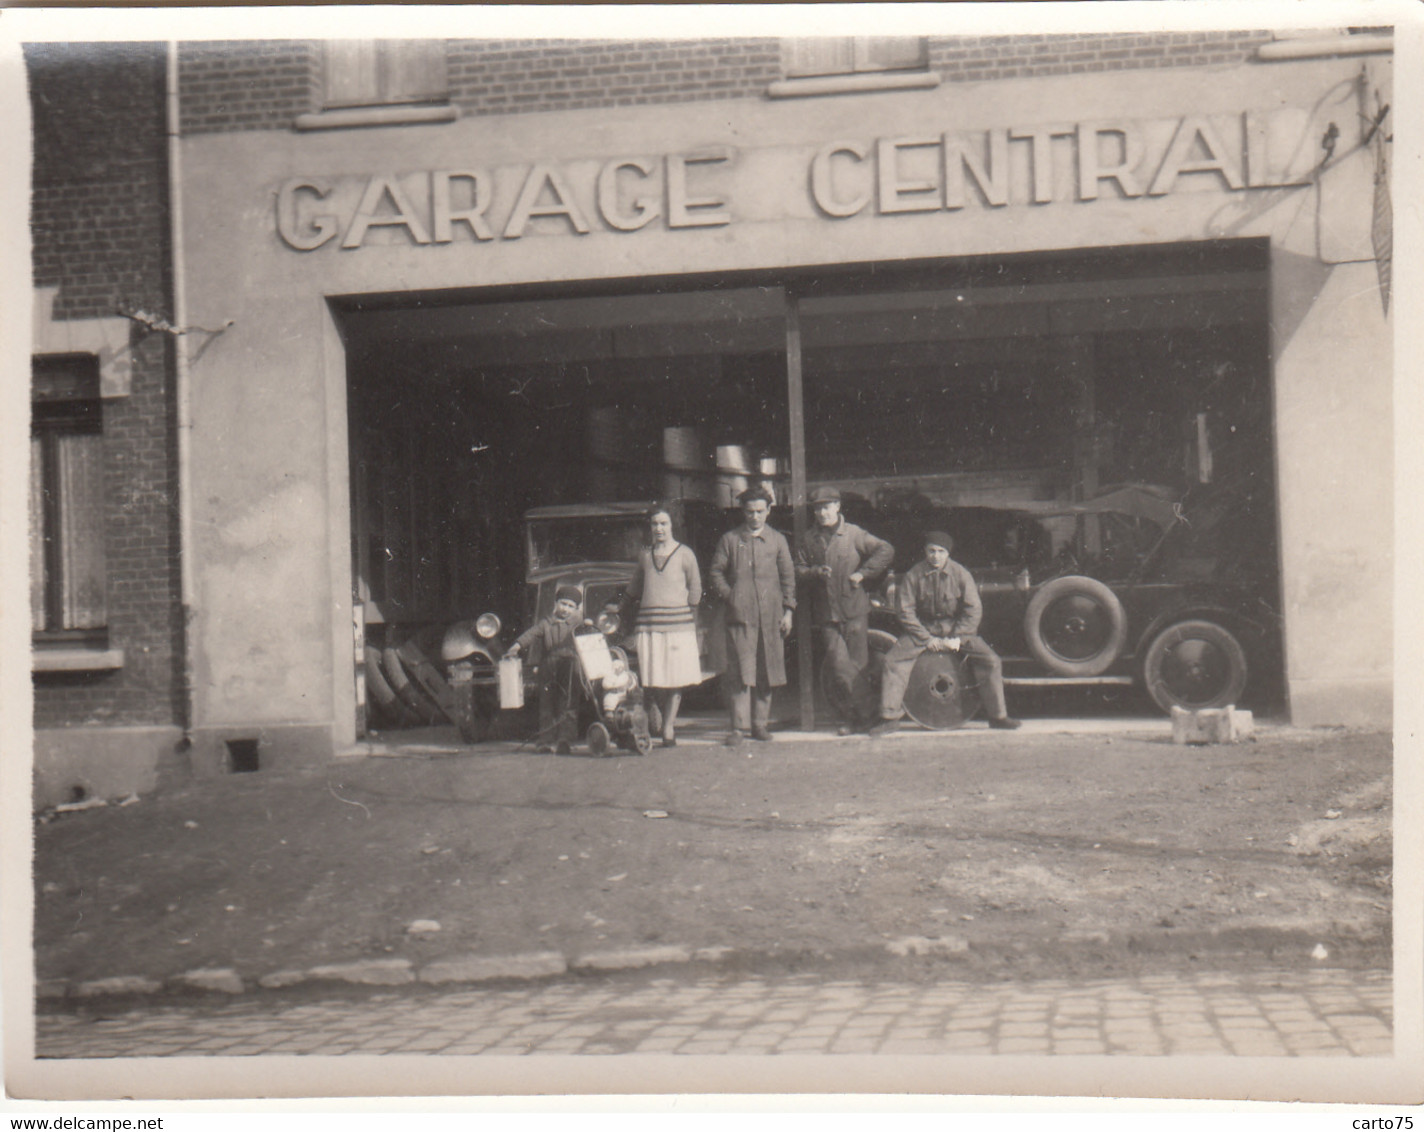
[[941, 172]]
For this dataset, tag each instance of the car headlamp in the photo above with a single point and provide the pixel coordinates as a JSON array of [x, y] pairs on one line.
[[487, 625]]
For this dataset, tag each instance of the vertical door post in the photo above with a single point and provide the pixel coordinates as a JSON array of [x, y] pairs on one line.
[[797, 421]]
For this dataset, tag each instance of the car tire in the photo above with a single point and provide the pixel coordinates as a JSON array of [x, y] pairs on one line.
[[383, 706], [1075, 626], [423, 708], [1194, 665]]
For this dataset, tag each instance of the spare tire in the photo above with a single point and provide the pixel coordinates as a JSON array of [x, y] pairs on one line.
[[1075, 626]]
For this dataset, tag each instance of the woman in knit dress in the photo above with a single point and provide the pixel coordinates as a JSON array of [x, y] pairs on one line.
[[668, 587]]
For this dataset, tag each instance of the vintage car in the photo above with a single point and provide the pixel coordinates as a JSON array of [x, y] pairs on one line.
[[593, 546], [1130, 588]]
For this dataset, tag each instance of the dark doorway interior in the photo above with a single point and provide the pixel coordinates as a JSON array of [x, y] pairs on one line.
[[986, 382]]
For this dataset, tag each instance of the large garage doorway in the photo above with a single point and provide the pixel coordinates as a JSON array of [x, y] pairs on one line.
[[1031, 381]]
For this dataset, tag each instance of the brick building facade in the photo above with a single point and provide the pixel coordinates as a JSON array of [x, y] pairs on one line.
[[266, 642], [100, 230], [243, 85]]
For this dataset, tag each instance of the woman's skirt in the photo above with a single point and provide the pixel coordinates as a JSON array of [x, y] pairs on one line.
[[667, 658]]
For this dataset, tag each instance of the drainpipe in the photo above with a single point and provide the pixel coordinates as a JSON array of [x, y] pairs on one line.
[[183, 407]]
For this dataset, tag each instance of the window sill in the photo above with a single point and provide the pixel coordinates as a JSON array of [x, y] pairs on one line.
[[75, 658], [1325, 47], [376, 116], [853, 84]]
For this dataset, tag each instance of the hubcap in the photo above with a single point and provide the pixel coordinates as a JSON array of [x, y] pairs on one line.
[[1195, 671], [1076, 627]]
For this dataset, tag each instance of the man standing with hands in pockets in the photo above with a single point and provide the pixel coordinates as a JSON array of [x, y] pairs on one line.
[[752, 573], [837, 560]]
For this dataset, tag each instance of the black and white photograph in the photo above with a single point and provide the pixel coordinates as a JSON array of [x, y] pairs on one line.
[[822, 550]]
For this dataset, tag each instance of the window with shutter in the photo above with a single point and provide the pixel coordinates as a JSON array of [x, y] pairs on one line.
[[384, 72], [850, 55], [842, 64], [372, 82], [68, 581]]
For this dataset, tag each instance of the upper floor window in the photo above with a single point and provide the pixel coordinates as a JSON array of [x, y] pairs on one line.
[[384, 72], [845, 64], [373, 82], [853, 55], [68, 580]]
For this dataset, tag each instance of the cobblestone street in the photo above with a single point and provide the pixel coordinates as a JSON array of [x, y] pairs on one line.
[[1258, 1014]]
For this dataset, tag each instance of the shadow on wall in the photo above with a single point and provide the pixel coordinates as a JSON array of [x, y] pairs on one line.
[[1296, 283]]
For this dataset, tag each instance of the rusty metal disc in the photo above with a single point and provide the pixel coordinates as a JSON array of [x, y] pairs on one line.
[[938, 695]]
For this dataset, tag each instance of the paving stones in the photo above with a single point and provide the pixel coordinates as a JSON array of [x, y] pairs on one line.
[[1279, 1013]]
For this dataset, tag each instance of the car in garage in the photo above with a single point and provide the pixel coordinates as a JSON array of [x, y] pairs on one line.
[[1132, 588], [594, 547]]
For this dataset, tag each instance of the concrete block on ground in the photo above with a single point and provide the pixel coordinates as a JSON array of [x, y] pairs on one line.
[[1212, 725], [369, 972], [118, 984], [222, 979], [927, 945], [629, 958], [481, 968]]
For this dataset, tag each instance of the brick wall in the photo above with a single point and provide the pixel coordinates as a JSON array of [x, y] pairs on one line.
[[260, 85], [977, 58], [247, 85], [100, 230], [511, 77]]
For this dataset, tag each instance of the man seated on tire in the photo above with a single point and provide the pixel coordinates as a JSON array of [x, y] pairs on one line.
[[938, 607]]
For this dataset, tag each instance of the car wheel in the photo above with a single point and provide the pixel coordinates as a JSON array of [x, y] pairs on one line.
[[1075, 626], [1194, 665]]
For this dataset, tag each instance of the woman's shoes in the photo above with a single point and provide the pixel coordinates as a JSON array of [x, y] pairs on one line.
[[669, 741]]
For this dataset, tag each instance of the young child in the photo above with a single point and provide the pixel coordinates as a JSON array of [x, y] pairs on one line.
[[618, 687], [550, 644]]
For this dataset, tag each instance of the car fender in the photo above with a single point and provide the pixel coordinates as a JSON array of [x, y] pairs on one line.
[[1243, 627]]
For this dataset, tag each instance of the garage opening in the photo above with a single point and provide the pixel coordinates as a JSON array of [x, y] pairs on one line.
[[1004, 394]]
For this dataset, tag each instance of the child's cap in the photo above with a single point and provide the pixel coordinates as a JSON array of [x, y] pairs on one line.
[[569, 593]]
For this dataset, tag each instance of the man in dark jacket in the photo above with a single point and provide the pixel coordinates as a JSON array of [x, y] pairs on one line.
[[836, 560], [939, 610], [752, 573]]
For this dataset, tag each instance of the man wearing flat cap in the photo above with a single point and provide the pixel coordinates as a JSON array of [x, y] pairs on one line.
[[938, 606], [550, 645], [753, 575], [836, 561]]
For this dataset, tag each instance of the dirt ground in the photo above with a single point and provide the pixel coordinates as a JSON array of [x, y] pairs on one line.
[[807, 849]]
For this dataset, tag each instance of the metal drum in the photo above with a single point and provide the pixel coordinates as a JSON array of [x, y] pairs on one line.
[[940, 695]]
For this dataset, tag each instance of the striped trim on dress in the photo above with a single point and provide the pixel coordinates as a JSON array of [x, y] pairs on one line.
[[664, 617]]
